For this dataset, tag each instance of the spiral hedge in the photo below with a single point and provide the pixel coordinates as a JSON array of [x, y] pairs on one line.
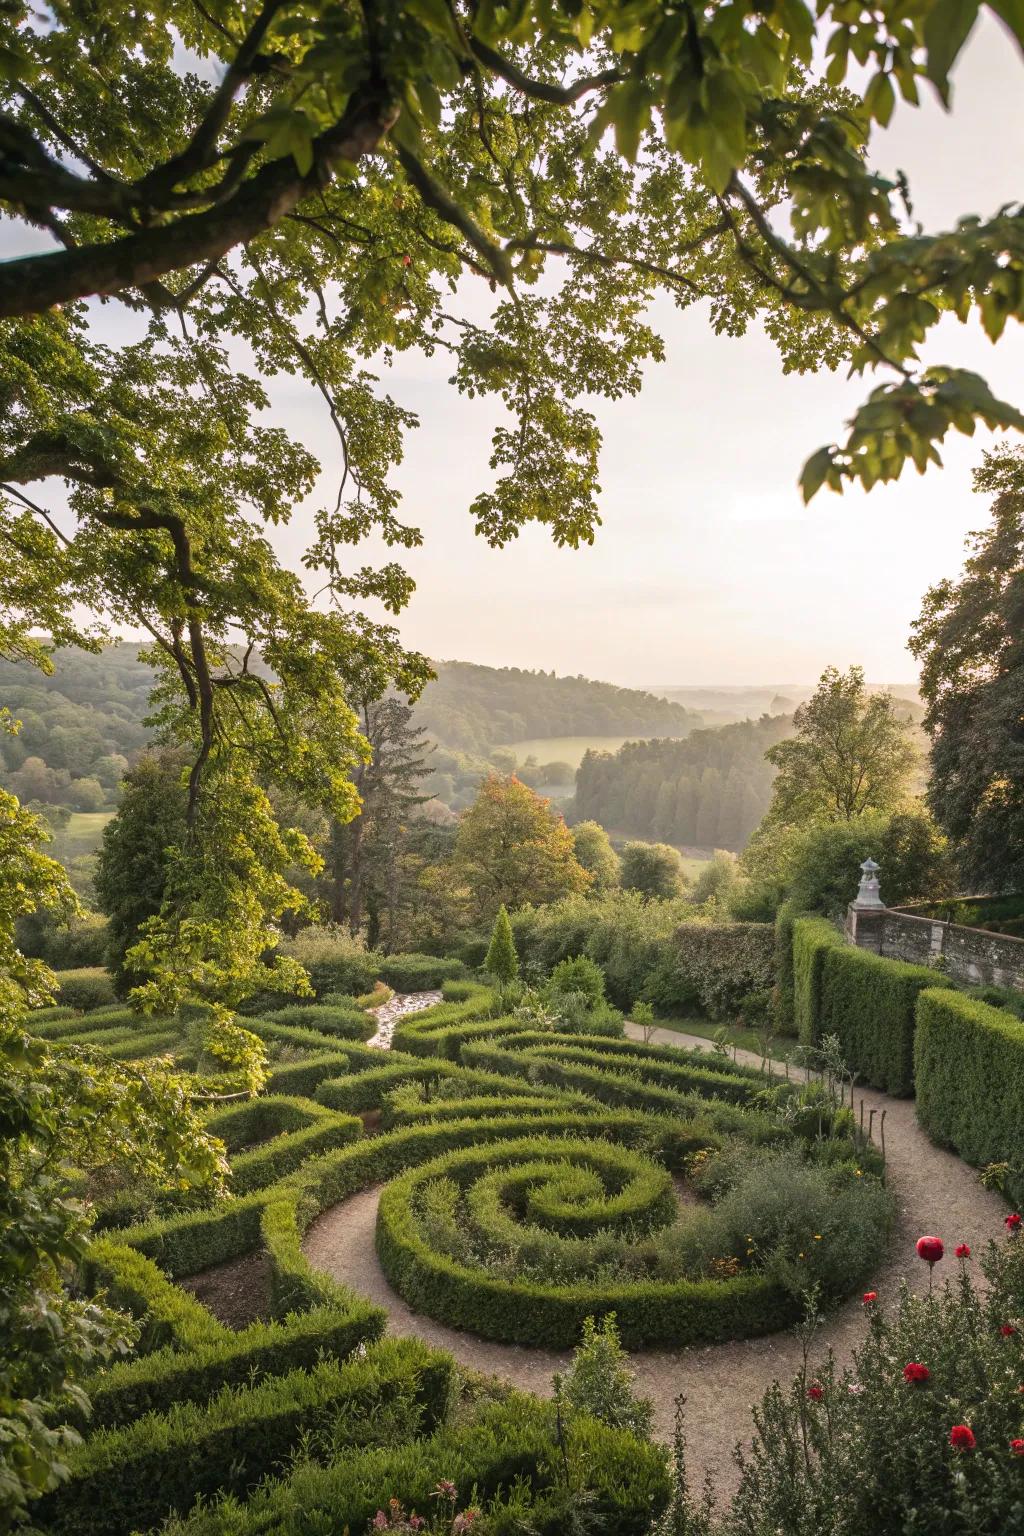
[[545, 1141]]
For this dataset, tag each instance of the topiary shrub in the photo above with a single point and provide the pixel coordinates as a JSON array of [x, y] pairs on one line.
[[969, 1075], [87, 988], [341, 1023]]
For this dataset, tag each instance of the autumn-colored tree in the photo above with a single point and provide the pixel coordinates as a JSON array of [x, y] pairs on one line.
[[512, 848]]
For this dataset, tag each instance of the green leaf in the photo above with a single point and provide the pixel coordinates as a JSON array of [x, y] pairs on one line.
[[880, 98], [629, 107], [815, 472], [946, 28]]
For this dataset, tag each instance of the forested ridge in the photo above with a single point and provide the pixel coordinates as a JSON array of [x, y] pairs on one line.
[[92, 709], [708, 791], [475, 707]]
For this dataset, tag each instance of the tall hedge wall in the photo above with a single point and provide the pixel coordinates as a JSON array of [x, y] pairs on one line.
[[866, 1001], [969, 1068]]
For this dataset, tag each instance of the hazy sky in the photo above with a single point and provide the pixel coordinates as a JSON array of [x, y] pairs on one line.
[[708, 569]]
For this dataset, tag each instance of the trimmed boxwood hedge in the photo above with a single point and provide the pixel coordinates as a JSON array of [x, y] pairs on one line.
[[129, 1478], [812, 938], [419, 973], [969, 1070], [503, 1449], [344, 1023], [156, 1382], [869, 1003], [549, 1316], [169, 1315]]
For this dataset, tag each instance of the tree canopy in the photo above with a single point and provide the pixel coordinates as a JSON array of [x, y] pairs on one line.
[[968, 641], [512, 848], [851, 753]]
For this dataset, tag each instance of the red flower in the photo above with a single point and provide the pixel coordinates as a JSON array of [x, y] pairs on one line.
[[912, 1371], [1013, 1221], [962, 1250], [961, 1437], [1017, 1447], [1007, 1330], [815, 1393], [869, 1297], [930, 1249]]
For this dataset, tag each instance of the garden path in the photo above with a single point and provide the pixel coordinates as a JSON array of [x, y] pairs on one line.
[[935, 1192]]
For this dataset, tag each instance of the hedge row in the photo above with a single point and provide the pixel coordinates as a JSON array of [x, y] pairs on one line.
[[154, 1383], [867, 1002], [552, 1317], [969, 1070], [129, 1478], [532, 1100], [168, 1315], [261, 1166], [343, 1023], [419, 973], [504, 1451]]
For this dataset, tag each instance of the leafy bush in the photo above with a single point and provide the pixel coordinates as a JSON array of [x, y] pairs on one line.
[[921, 1433], [969, 1073], [65, 946], [334, 960], [504, 1453], [419, 973], [722, 963], [87, 988], [599, 1381], [577, 975]]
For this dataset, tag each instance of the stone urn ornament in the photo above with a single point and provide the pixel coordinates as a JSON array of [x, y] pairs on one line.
[[869, 896]]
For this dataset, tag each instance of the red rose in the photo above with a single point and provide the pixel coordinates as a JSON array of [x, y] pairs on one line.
[[962, 1250], [1007, 1330], [815, 1393], [912, 1371], [930, 1249], [869, 1297], [961, 1437], [1013, 1221], [1017, 1447]]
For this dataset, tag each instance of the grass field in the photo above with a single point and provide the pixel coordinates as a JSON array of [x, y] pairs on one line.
[[82, 835], [566, 749]]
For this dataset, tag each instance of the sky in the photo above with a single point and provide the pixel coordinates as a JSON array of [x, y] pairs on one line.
[[708, 569]]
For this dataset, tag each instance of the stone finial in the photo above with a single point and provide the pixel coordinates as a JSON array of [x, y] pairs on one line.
[[868, 894]]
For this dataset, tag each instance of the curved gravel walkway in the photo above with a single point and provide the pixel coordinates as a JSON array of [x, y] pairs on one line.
[[934, 1190], [397, 1007]]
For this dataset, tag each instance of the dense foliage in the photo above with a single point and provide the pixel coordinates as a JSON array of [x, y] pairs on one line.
[[850, 752], [968, 641], [709, 791], [653, 869], [512, 847], [475, 708]]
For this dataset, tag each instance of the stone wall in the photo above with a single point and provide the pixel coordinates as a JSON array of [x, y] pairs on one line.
[[971, 954]]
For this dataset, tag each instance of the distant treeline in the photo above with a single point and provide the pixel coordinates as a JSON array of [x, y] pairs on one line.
[[474, 708], [709, 791], [80, 727]]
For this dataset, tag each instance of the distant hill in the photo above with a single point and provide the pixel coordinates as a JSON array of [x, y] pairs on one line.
[[84, 725], [475, 708], [709, 791]]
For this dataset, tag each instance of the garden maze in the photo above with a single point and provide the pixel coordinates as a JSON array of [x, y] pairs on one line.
[[530, 1179]]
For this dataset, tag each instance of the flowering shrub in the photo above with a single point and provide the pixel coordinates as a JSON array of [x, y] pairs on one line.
[[445, 1520], [924, 1432]]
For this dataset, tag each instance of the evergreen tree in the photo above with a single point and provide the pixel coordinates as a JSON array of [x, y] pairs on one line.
[[501, 961], [134, 858], [366, 855]]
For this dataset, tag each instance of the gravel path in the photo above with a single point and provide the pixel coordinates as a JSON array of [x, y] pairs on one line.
[[389, 1013], [935, 1192]]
